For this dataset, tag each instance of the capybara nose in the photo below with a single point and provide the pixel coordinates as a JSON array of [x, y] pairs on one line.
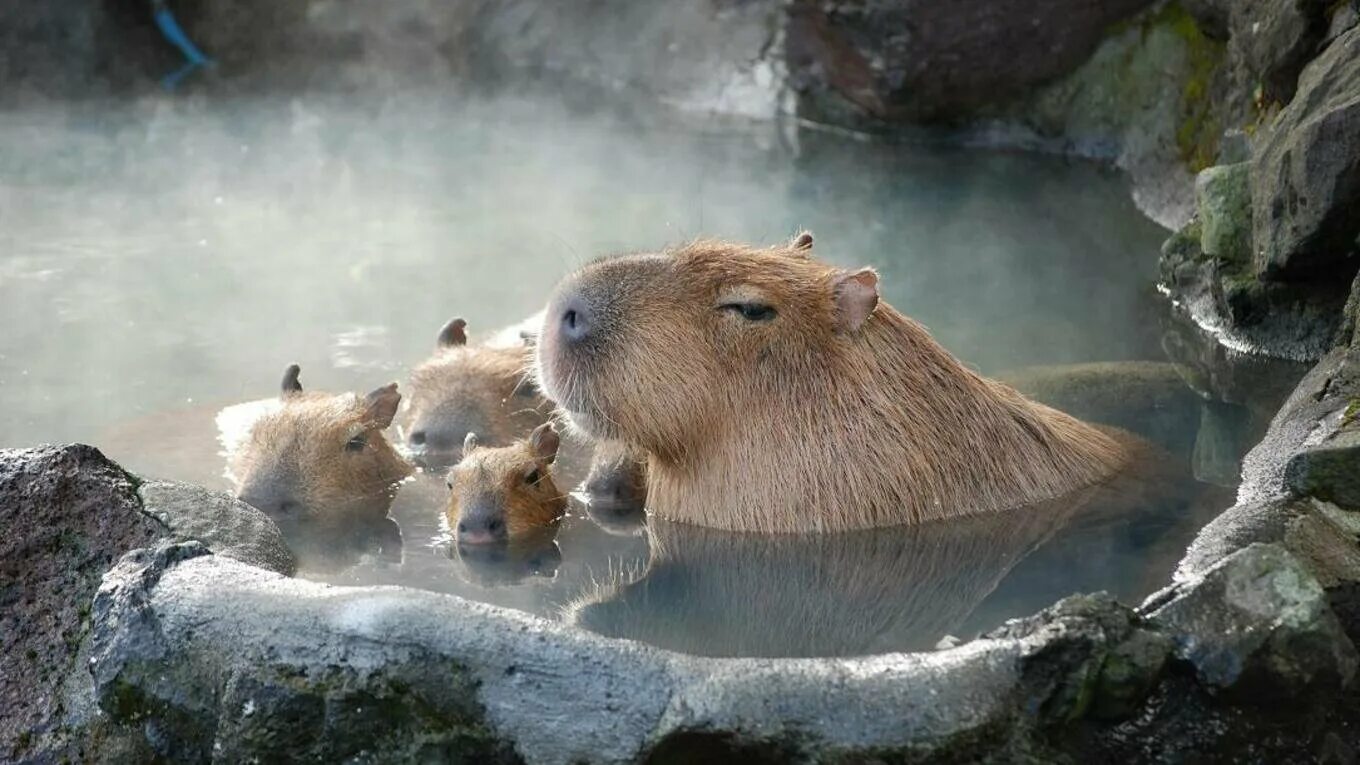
[[270, 503], [575, 320], [481, 528], [417, 438]]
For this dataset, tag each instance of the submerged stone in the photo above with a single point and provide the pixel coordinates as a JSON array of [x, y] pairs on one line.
[[1258, 625]]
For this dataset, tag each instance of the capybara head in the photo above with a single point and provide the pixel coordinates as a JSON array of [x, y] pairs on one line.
[[465, 389], [501, 493], [321, 457], [617, 482], [774, 392]]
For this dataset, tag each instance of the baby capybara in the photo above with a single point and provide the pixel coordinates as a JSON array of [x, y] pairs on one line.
[[772, 392], [502, 493], [487, 389], [320, 456], [483, 389]]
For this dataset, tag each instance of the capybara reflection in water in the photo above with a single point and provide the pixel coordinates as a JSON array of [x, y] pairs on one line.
[[319, 457], [501, 493], [472, 388], [487, 388], [772, 392]]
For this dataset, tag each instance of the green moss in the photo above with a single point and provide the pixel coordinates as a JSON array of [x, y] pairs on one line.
[[1351, 413], [1199, 131]]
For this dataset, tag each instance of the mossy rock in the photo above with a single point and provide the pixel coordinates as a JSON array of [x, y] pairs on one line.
[[1223, 198]]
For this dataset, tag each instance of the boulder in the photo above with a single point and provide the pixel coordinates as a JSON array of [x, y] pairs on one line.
[[931, 61], [1223, 198], [1330, 470], [1306, 528], [69, 514], [1257, 625], [1305, 175], [224, 524], [1270, 41]]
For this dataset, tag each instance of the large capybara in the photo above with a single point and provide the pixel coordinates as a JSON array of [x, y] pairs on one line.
[[487, 388], [320, 458], [772, 392], [466, 388], [501, 493]]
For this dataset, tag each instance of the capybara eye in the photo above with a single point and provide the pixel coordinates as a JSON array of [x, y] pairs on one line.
[[533, 476], [752, 311], [357, 443]]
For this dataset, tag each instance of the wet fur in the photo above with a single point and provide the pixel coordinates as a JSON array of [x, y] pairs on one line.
[[302, 443], [477, 388], [796, 424], [498, 475]]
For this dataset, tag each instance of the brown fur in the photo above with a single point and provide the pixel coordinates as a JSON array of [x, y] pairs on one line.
[[323, 453], [840, 413], [515, 480], [483, 389]]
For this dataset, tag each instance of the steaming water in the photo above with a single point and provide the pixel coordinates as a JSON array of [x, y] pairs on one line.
[[162, 259]]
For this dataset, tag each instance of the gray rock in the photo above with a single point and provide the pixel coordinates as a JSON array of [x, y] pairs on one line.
[[1330, 470], [1272, 40], [1258, 625], [214, 659], [1306, 173], [224, 524], [68, 514], [1223, 197], [1303, 527], [936, 61]]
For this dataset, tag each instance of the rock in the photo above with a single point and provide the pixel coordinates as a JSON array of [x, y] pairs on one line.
[[936, 61], [1223, 197], [1095, 657], [1148, 398], [68, 515], [1257, 625], [1272, 40], [222, 523], [1330, 470], [1305, 174], [214, 659], [1303, 527]]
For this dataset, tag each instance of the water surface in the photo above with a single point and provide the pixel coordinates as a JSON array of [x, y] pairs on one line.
[[161, 259]]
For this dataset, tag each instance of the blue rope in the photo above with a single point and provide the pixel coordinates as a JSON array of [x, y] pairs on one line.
[[172, 32]]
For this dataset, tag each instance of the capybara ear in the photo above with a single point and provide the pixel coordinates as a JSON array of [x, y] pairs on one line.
[[802, 243], [290, 385], [469, 443], [381, 406], [544, 442], [856, 298], [453, 333]]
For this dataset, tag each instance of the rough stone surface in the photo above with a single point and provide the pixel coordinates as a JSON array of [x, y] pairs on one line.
[[1258, 625], [1330, 470], [1303, 527], [208, 656], [1271, 40], [68, 515], [1306, 173], [224, 524], [1223, 196], [937, 61]]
